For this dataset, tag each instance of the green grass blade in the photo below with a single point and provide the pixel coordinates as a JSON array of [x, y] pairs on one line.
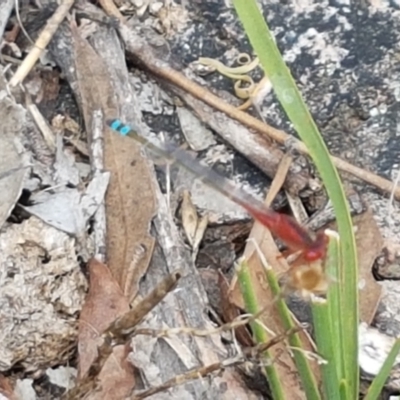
[[344, 390], [377, 384], [324, 339], [290, 98], [302, 363], [327, 329], [260, 335], [334, 301]]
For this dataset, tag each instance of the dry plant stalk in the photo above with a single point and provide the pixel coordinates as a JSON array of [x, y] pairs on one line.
[[41, 43]]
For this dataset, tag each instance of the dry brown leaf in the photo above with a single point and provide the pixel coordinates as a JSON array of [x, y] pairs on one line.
[[130, 201], [117, 376], [130, 207], [369, 244], [189, 217], [230, 312], [200, 231], [193, 226], [104, 303]]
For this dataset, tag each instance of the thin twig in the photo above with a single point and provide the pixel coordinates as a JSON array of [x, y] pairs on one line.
[[41, 43], [236, 323], [111, 9], [249, 353]]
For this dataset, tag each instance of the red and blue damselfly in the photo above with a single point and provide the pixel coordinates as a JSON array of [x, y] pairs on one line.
[[311, 248]]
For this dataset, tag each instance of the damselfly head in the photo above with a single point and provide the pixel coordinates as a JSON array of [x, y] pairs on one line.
[[317, 251]]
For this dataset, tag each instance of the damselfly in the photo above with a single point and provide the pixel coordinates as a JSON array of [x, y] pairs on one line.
[[296, 237]]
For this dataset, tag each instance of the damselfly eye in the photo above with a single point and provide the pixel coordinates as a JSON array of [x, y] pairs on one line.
[[318, 251], [312, 255], [284, 227]]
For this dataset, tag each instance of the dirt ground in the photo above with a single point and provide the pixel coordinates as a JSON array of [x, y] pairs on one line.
[[115, 263]]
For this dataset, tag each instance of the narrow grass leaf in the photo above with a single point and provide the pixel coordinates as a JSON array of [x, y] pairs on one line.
[[260, 335], [327, 327], [377, 384], [290, 98], [302, 363]]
